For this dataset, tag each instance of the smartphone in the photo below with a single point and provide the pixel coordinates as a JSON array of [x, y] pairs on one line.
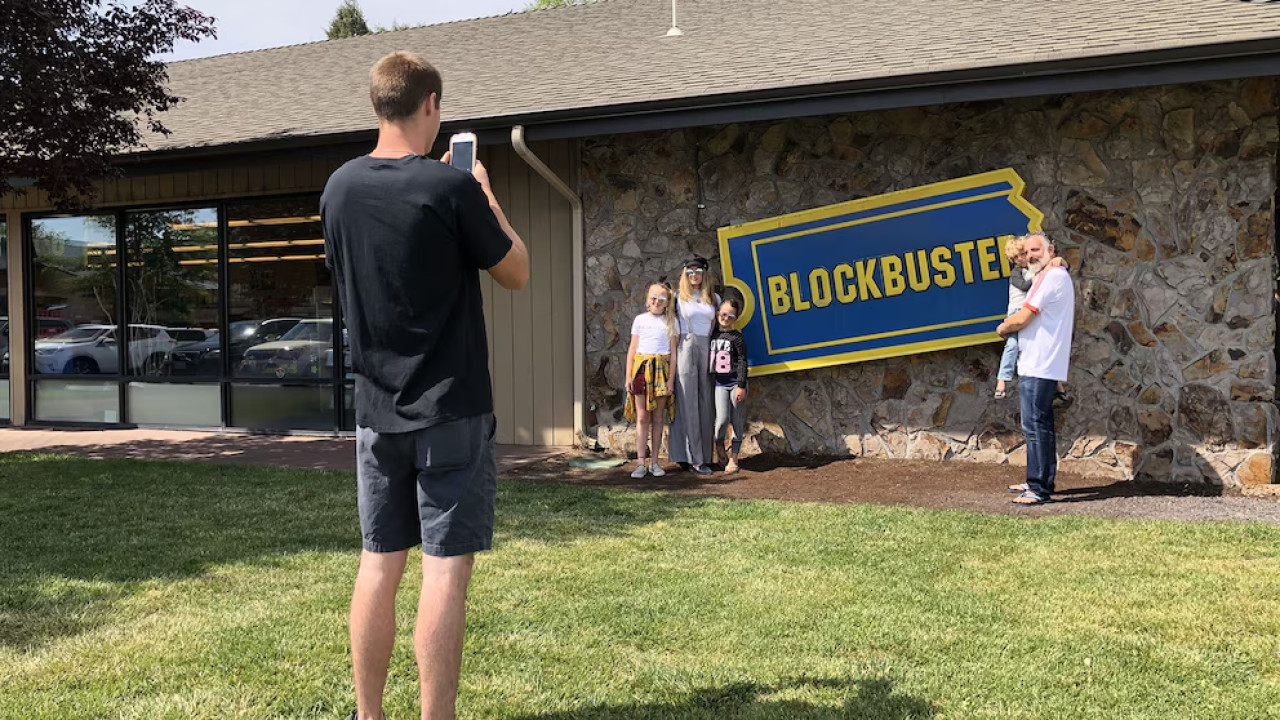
[[463, 147]]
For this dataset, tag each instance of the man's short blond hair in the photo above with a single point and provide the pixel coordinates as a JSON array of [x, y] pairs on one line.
[[400, 82]]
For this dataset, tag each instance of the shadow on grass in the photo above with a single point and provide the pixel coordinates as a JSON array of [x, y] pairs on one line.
[[76, 535], [873, 699]]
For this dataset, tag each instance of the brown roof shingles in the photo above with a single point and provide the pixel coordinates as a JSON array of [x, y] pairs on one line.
[[615, 52]]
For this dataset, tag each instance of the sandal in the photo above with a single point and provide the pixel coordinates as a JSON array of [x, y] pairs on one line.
[[1001, 394], [1062, 400], [1019, 488], [1029, 498]]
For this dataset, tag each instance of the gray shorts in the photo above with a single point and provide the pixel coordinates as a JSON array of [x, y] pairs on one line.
[[435, 487]]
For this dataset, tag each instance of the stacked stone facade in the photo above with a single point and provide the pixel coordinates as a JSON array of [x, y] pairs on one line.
[[1162, 199]]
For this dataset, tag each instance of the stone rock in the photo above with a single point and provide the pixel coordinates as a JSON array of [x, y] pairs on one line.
[[927, 446], [1255, 238], [1086, 445], [1256, 470], [896, 383], [1142, 335], [854, 444], [1212, 363], [1156, 466], [1125, 306], [1251, 392], [813, 408], [1000, 438], [1251, 422], [1123, 425], [1151, 396], [1091, 218], [1179, 132], [1259, 367], [1127, 455], [1155, 425], [1202, 409]]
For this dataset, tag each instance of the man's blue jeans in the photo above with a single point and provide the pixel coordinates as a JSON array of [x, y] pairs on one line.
[[1036, 399]]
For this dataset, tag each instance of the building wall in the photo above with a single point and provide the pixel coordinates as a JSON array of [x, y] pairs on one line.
[[530, 332], [1161, 198]]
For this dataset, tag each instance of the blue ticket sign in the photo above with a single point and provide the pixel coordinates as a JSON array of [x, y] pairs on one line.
[[898, 274]]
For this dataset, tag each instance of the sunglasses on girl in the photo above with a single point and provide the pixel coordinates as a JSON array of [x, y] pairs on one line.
[[729, 316], [657, 298], [693, 271]]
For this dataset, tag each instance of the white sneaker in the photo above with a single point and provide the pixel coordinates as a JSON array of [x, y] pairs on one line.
[[656, 470], [639, 472]]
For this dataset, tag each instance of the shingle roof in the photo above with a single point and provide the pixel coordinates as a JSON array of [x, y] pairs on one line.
[[616, 52]]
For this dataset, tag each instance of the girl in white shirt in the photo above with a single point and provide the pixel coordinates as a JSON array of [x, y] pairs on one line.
[[693, 430], [651, 367]]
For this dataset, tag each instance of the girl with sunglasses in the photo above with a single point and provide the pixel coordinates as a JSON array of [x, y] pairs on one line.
[[691, 432], [650, 369], [729, 368]]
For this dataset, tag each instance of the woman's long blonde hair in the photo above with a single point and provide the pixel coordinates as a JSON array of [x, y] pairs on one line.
[[707, 289], [669, 314]]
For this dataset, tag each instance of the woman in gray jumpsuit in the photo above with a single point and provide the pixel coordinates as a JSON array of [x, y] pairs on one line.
[[692, 431]]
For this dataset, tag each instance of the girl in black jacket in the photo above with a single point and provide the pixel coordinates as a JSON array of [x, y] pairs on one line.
[[729, 372]]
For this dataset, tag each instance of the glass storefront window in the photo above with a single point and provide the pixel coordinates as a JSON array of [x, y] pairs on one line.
[[78, 401], [171, 289], [280, 292], [75, 289], [282, 407], [176, 404]]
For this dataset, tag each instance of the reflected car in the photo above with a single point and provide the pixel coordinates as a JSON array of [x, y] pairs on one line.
[[327, 371], [244, 334], [299, 353], [202, 358], [45, 327], [93, 350]]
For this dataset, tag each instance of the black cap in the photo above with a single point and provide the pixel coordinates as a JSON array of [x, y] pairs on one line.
[[697, 262]]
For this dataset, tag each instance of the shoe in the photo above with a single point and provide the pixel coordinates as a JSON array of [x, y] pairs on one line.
[[656, 470], [685, 466], [1001, 394], [640, 471], [731, 467], [1062, 400], [1029, 498], [702, 470], [1019, 488]]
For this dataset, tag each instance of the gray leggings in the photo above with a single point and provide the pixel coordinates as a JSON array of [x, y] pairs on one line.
[[729, 412]]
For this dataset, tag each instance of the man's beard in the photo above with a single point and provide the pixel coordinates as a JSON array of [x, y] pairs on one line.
[[1037, 266]]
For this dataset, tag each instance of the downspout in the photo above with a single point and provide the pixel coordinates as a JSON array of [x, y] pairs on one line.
[[579, 311]]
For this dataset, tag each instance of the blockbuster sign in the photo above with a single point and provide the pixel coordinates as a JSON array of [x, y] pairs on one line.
[[898, 274]]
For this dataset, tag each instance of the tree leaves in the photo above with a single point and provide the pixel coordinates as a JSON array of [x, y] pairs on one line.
[[78, 84]]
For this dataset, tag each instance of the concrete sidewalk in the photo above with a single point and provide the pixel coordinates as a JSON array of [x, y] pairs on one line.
[[329, 453]]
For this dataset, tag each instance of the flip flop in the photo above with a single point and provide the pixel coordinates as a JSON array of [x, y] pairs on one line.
[[1019, 488], [1029, 498], [1001, 394]]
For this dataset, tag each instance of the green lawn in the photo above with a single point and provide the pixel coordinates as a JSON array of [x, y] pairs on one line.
[[180, 590]]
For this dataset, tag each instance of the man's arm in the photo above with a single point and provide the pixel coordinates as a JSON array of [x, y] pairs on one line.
[[1015, 322], [512, 271]]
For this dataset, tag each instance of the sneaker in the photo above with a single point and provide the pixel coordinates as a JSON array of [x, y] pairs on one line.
[[656, 470], [640, 470], [731, 467], [702, 470]]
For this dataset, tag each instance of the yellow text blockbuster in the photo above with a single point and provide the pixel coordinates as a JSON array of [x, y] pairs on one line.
[[888, 276]]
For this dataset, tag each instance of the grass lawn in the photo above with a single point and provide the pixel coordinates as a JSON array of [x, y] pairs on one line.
[[134, 589]]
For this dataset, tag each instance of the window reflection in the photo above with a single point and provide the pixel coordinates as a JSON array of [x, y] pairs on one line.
[[281, 301], [75, 289], [172, 289]]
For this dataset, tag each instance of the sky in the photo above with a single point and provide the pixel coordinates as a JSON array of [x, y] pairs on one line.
[[256, 24]]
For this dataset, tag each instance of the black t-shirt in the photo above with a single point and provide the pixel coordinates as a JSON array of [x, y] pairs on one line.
[[406, 239]]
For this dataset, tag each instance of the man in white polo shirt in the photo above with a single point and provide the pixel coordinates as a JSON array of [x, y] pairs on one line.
[[1044, 342]]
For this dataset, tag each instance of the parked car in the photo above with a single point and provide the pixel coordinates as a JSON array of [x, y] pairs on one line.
[[183, 335], [244, 334], [45, 327], [93, 349], [298, 353], [203, 357]]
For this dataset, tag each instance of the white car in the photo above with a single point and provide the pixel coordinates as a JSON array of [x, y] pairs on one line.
[[94, 350]]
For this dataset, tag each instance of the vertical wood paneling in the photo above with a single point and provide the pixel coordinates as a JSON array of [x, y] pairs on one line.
[[543, 202], [559, 158], [522, 369], [503, 357]]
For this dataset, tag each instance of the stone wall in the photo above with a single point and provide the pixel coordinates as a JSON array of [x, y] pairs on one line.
[[1162, 198]]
